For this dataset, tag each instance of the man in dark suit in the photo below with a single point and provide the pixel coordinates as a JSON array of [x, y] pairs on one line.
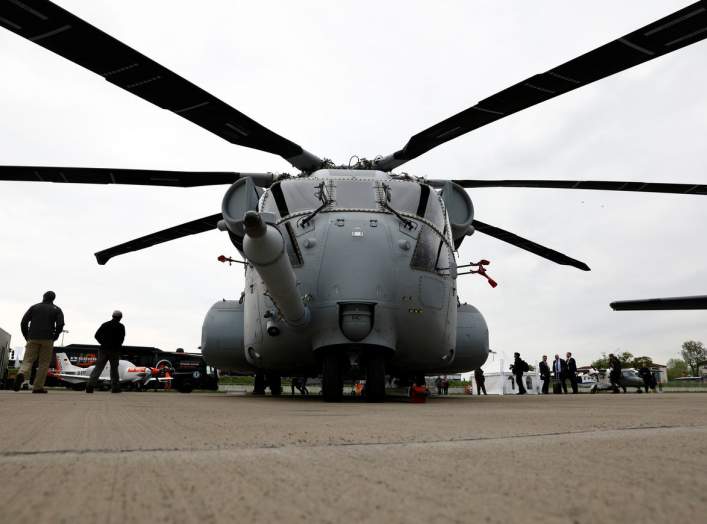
[[545, 374], [615, 374], [559, 369], [572, 372], [518, 367], [480, 381]]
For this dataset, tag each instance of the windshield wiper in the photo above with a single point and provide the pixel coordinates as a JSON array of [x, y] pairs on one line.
[[406, 221], [323, 198]]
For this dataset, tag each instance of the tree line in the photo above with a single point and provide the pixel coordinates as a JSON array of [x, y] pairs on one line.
[[693, 356]]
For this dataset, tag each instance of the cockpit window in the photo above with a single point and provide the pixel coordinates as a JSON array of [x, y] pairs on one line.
[[354, 194], [426, 250], [407, 197]]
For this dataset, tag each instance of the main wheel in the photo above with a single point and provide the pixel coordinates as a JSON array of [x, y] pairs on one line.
[[259, 383], [275, 383], [375, 377], [332, 379]]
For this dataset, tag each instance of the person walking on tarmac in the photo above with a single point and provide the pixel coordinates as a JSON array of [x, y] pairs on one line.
[[545, 374], [110, 336], [615, 374], [647, 377], [41, 327], [518, 367]]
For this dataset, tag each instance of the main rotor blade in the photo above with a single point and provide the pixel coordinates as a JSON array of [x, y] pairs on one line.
[[194, 227], [646, 187], [140, 177], [682, 28], [694, 302], [57, 30], [528, 245]]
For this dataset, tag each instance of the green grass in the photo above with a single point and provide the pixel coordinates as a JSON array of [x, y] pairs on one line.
[[685, 384]]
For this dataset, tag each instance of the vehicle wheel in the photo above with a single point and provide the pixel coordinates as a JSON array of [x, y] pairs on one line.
[[332, 380], [259, 383], [275, 384], [375, 377]]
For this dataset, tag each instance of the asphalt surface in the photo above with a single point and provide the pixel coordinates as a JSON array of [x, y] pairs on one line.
[[68, 457]]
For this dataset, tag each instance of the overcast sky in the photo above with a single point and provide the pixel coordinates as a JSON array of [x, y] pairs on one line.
[[344, 78]]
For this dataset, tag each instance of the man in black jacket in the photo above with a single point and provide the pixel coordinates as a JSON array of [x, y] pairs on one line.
[[41, 326], [110, 336], [615, 374], [545, 374], [559, 368], [572, 372], [519, 367], [480, 381]]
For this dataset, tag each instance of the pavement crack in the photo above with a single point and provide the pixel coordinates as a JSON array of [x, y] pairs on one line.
[[394, 443]]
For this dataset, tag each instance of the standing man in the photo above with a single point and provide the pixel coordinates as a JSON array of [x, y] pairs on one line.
[[559, 368], [519, 366], [646, 375], [545, 374], [480, 381], [572, 372], [615, 374], [41, 326], [110, 336]]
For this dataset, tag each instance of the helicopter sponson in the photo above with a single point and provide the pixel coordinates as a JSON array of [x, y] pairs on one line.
[[349, 273]]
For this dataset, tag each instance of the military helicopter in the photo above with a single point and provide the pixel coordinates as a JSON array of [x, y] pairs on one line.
[[350, 271]]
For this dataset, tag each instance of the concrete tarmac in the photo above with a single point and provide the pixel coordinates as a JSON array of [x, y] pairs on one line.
[[212, 458]]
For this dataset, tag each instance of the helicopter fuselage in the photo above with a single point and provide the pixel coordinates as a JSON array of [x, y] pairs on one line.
[[374, 267]]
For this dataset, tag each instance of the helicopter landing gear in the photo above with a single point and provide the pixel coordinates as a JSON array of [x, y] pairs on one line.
[[259, 383], [420, 380], [332, 377], [275, 383], [375, 377]]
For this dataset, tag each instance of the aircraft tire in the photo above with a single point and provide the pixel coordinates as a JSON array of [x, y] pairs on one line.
[[275, 383], [259, 383], [332, 379], [375, 378]]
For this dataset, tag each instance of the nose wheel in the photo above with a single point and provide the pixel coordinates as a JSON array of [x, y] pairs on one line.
[[332, 377]]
